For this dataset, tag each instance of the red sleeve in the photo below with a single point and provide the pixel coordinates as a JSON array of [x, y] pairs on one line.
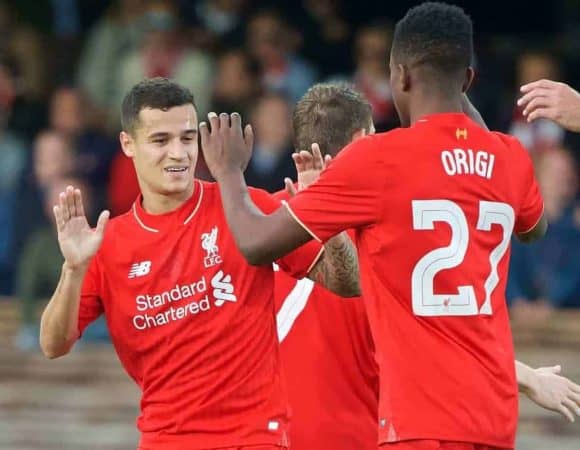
[[301, 261], [90, 307], [531, 206], [348, 193]]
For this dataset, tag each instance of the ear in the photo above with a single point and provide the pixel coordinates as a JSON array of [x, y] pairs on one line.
[[469, 76], [127, 144], [404, 78]]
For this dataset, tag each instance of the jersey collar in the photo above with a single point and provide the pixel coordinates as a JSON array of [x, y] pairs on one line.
[[443, 118], [157, 222]]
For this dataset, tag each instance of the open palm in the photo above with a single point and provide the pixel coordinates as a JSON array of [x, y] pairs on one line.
[[78, 241]]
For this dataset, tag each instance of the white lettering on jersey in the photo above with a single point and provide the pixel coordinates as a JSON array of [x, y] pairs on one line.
[[208, 243], [140, 269], [223, 288], [468, 162]]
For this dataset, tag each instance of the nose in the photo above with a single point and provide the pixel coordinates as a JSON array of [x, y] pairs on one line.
[[177, 151]]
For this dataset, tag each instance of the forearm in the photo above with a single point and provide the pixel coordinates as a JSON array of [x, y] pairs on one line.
[[262, 239], [525, 376], [59, 322], [338, 271]]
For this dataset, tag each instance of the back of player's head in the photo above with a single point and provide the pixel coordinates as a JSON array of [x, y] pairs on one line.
[[434, 34], [154, 93], [329, 115]]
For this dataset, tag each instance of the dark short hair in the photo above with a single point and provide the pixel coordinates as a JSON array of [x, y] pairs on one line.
[[436, 34], [329, 114], [154, 93]]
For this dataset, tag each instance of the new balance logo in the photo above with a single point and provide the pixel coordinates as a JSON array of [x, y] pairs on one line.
[[140, 269], [223, 289], [208, 243]]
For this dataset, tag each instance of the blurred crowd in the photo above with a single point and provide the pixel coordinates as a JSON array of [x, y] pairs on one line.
[[65, 66]]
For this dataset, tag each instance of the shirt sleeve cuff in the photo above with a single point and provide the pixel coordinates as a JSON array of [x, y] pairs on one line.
[[295, 217]]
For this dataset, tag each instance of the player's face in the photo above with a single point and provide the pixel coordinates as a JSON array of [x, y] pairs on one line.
[[399, 90], [164, 149]]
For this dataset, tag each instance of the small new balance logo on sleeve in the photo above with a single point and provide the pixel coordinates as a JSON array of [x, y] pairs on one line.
[[140, 269]]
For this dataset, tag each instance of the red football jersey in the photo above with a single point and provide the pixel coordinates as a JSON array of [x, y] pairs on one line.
[[327, 356], [193, 324], [434, 207]]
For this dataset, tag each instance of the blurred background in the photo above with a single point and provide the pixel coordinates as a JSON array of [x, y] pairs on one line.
[[64, 68]]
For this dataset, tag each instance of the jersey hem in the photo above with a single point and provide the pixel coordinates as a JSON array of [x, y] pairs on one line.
[[154, 441], [469, 440]]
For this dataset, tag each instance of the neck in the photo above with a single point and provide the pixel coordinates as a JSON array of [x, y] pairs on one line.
[[156, 203], [429, 101]]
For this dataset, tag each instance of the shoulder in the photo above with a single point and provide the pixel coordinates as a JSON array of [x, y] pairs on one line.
[[512, 145]]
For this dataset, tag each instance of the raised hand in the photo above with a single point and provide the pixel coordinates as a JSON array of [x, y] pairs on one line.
[[546, 99], [77, 240], [226, 148], [308, 167]]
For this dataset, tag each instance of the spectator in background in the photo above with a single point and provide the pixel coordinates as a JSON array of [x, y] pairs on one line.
[[541, 134], [13, 158], [94, 149], [52, 158], [236, 82], [235, 88], [218, 23], [164, 54], [272, 156], [546, 274], [25, 45], [123, 187], [371, 76], [327, 35], [40, 262], [21, 113], [273, 43], [116, 34]]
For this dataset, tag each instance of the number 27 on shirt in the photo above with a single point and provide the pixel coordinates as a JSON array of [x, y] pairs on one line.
[[463, 302]]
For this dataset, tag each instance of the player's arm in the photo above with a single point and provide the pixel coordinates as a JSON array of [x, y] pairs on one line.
[[548, 389], [261, 238], [537, 232], [59, 322], [78, 244], [338, 269]]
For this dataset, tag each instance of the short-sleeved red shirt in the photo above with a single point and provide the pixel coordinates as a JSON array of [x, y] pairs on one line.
[[327, 355], [193, 324], [433, 207]]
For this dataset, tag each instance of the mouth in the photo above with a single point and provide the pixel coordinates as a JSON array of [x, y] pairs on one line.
[[176, 169]]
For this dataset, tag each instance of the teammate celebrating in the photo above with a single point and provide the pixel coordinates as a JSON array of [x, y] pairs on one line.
[[433, 206], [326, 348], [193, 323]]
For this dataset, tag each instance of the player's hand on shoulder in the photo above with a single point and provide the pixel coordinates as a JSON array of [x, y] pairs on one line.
[[77, 240], [226, 147], [552, 391], [546, 99]]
